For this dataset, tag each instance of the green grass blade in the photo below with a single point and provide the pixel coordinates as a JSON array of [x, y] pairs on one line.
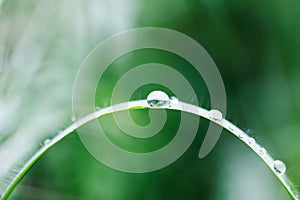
[[142, 104]]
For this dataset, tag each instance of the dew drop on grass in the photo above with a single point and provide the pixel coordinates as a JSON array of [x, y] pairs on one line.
[[279, 167], [158, 99], [73, 119], [251, 141], [215, 115], [262, 151], [46, 141], [173, 101]]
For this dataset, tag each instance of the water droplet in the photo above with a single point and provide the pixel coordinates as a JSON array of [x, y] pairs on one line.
[[241, 137], [215, 115], [173, 101], [279, 167], [158, 99], [251, 141], [47, 141], [262, 151], [248, 131], [73, 119], [97, 108]]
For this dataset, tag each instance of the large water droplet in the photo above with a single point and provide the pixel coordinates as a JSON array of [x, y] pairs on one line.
[[158, 99], [279, 167], [46, 141], [173, 101], [215, 115]]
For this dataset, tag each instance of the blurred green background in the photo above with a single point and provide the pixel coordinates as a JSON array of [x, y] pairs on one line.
[[255, 45]]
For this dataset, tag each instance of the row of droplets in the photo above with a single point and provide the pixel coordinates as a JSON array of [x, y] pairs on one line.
[[159, 99], [278, 166]]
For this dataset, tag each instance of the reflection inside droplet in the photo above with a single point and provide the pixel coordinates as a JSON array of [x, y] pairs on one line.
[[215, 115], [158, 99], [279, 167]]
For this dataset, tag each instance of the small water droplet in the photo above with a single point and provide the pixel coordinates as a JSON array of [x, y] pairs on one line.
[[215, 115], [47, 141], [97, 108], [248, 131], [279, 167], [173, 101], [241, 136], [158, 99], [73, 119], [251, 141], [262, 151]]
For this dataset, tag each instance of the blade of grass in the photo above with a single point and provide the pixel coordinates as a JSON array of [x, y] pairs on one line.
[[143, 104]]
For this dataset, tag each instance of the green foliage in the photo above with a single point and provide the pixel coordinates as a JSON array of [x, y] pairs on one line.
[[254, 43]]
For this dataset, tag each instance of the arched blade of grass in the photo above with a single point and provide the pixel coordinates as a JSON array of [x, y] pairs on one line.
[[212, 115]]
